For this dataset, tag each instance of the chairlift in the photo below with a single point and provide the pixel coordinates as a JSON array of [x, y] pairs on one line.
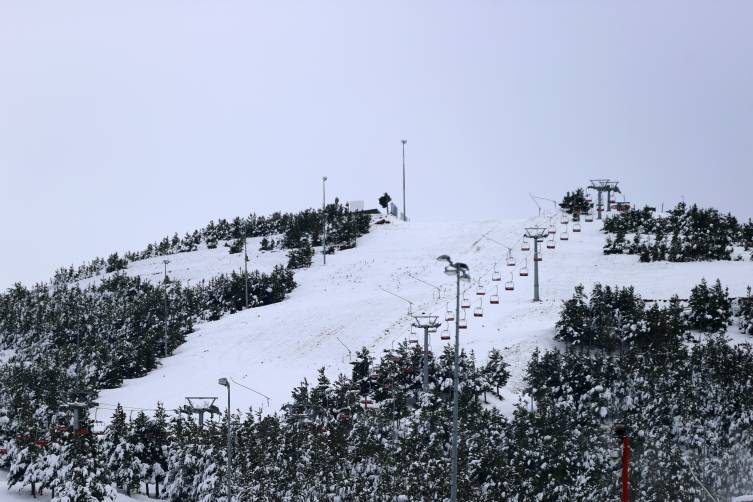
[[550, 244], [589, 217], [445, 333], [510, 285], [564, 219], [563, 234], [589, 198], [496, 275], [576, 227], [480, 290], [479, 311], [463, 322], [466, 303], [449, 315], [525, 246], [538, 257], [494, 299], [524, 269], [552, 230], [510, 258], [412, 338]]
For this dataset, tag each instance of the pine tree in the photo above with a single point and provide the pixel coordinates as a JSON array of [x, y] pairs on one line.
[[746, 313], [121, 458], [710, 308], [82, 476], [495, 372]]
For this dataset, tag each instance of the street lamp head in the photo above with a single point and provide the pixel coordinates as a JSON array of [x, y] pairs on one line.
[[444, 257], [165, 261], [223, 381], [404, 141], [324, 178], [462, 266]]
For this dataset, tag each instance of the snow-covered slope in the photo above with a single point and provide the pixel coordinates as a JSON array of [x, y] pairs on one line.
[[272, 348]]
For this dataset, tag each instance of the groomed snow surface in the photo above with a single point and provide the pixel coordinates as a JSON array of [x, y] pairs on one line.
[[343, 303]]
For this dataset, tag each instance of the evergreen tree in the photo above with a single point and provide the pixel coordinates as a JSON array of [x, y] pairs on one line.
[[710, 308], [746, 313], [120, 455], [385, 200]]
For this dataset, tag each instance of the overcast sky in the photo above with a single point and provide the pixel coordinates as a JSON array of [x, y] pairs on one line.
[[123, 122]]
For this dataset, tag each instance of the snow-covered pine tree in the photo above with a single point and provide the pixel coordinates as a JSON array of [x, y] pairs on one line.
[[82, 476], [710, 308], [121, 458]]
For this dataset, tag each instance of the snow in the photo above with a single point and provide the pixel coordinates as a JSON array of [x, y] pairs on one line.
[[272, 348], [13, 494]]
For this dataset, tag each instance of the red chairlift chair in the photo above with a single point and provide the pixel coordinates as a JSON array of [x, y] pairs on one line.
[[550, 244], [465, 303], [552, 230], [564, 219], [496, 276], [463, 322], [510, 285], [538, 257], [494, 299], [479, 311], [445, 333], [480, 290], [510, 261], [589, 217], [576, 227], [524, 269], [525, 246], [563, 234], [449, 315]]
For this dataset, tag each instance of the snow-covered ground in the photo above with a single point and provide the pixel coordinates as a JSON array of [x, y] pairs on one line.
[[272, 348], [13, 494]]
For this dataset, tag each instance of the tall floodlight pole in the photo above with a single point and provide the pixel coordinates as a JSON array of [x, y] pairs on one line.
[[537, 234], [429, 324], [405, 216], [224, 382], [165, 336], [460, 271], [245, 258], [324, 221]]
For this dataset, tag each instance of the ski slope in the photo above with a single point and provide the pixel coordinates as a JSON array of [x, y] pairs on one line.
[[344, 304]]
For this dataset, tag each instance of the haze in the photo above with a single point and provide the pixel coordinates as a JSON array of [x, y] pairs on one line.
[[121, 123]]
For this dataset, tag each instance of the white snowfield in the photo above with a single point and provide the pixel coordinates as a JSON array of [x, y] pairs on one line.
[[271, 349]]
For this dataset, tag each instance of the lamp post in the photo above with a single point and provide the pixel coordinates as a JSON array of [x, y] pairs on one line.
[[460, 271], [324, 221], [405, 216], [245, 258], [224, 382], [165, 336]]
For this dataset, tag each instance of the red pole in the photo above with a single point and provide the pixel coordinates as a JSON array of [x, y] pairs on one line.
[[625, 460]]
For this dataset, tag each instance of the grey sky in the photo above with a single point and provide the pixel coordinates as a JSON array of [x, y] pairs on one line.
[[121, 123]]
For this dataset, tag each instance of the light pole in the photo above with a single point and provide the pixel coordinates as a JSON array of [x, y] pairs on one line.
[[460, 271], [245, 258], [405, 216], [224, 382], [324, 220], [537, 234], [165, 337]]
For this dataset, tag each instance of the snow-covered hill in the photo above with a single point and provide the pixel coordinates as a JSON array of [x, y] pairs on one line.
[[344, 303]]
